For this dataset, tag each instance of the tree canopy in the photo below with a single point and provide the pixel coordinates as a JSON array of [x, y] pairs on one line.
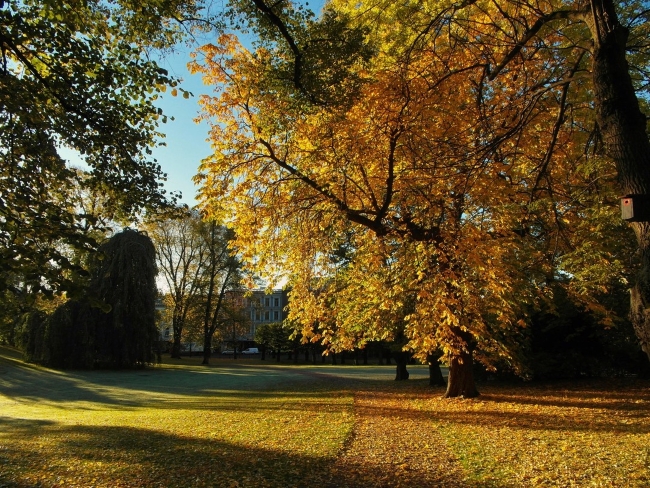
[[77, 75], [463, 164], [113, 323]]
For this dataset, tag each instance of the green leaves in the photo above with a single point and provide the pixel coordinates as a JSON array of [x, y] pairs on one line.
[[77, 74]]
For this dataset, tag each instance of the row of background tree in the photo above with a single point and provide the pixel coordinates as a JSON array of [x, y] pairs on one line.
[[563, 340]]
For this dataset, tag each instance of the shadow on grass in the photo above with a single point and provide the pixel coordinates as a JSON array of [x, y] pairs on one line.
[[176, 386], [123, 456], [603, 406]]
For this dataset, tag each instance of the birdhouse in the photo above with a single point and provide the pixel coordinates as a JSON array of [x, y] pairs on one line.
[[635, 208]]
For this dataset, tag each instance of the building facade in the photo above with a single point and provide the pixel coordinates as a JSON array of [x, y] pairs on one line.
[[266, 308]]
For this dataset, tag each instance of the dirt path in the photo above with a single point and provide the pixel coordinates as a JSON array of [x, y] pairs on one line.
[[394, 445]]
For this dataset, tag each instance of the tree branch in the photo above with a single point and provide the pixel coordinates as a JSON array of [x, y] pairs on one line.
[[537, 26], [293, 46]]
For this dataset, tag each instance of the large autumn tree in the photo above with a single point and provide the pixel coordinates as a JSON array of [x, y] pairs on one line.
[[78, 75], [452, 138]]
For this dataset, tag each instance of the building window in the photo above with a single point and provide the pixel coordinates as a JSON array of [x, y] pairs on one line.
[[267, 302], [267, 316], [277, 302], [276, 315]]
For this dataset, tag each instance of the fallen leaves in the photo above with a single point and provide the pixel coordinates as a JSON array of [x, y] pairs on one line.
[[336, 432]]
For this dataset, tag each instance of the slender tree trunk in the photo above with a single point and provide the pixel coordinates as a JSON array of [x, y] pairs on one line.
[[176, 344], [435, 373], [207, 347], [623, 128]]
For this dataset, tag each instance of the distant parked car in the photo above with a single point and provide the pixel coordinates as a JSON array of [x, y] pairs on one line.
[[251, 350], [228, 351]]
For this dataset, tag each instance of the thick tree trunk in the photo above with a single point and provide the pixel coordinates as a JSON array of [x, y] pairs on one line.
[[623, 127], [435, 373], [461, 377]]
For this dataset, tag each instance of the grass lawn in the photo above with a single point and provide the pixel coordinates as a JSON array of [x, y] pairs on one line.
[[260, 424]]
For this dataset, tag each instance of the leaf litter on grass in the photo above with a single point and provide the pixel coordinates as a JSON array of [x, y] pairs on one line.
[[329, 433]]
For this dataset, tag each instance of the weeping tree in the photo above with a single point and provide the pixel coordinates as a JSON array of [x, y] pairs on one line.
[[113, 323], [124, 282]]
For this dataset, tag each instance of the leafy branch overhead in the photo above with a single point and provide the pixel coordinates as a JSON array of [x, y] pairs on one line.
[[78, 75], [320, 59]]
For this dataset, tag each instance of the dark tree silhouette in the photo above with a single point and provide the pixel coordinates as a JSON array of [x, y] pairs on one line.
[[123, 278]]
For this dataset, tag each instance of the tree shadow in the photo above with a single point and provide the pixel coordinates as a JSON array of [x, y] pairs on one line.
[[124, 456], [596, 406], [173, 387]]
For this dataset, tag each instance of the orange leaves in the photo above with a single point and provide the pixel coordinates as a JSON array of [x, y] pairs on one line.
[[407, 209], [557, 436]]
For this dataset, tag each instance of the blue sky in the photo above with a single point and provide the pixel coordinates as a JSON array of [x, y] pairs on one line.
[[185, 140]]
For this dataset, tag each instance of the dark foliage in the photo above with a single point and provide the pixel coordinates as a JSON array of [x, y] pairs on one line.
[[123, 276], [569, 342], [114, 325]]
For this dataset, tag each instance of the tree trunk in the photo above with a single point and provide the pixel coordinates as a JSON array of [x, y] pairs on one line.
[[207, 347], [176, 345], [623, 128], [461, 377], [401, 360], [435, 373]]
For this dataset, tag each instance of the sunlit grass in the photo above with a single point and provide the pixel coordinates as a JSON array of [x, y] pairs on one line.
[[213, 428], [254, 424], [580, 434]]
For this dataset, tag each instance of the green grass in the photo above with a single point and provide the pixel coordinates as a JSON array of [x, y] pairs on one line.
[[249, 423], [171, 425]]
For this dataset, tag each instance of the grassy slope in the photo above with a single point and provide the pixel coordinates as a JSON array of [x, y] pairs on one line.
[[166, 426]]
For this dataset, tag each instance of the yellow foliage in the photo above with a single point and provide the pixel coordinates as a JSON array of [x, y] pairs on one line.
[[436, 182]]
